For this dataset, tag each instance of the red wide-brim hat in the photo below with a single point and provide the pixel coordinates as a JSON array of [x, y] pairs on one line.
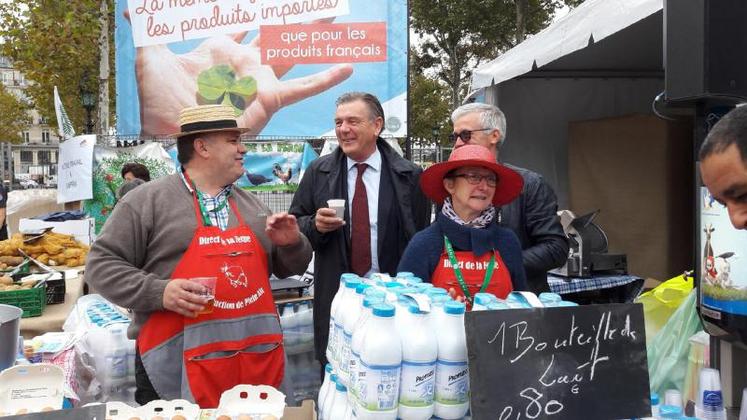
[[507, 189]]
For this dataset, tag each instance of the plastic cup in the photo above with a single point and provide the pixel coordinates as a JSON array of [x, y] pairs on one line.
[[209, 284], [673, 397], [338, 205], [710, 399]]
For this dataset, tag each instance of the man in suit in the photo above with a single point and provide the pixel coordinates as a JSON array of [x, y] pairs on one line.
[[375, 182], [533, 215]]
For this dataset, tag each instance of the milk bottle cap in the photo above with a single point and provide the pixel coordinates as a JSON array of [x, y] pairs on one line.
[[565, 303], [494, 306], [484, 299], [333, 378], [348, 276], [414, 280], [383, 310], [372, 291], [370, 301], [361, 287], [436, 291], [340, 387], [393, 285], [545, 297], [405, 274], [439, 300], [454, 308], [413, 308], [328, 368], [670, 412], [352, 283]]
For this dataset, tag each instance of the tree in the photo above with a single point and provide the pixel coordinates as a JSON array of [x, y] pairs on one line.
[[55, 43], [429, 108], [460, 35], [13, 116]]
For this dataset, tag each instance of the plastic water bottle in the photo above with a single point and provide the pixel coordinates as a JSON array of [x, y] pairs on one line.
[[324, 388], [346, 314], [357, 344], [452, 371], [339, 403], [381, 360], [419, 355]]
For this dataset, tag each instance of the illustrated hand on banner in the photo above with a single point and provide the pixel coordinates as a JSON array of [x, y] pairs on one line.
[[168, 82]]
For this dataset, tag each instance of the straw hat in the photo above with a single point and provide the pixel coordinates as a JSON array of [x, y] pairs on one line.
[[207, 119], [509, 181]]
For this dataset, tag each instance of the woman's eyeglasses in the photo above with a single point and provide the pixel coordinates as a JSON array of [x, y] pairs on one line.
[[476, 179], [465, 135]]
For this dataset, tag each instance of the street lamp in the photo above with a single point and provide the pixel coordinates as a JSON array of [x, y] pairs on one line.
[[89, 102], [436, 130]]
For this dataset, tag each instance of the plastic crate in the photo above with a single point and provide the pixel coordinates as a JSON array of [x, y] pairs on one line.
[[56, 291], [31, 301]]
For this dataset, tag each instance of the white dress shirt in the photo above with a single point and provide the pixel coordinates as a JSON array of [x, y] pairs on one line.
[[371, 179]]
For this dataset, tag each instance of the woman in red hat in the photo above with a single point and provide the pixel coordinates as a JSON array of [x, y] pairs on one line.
[[465, 251]]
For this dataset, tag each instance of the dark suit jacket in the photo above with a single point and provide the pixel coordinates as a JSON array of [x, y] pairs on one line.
[[403, 210]]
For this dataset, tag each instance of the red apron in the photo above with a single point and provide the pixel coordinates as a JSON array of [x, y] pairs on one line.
[[473, 269], [240, 342]]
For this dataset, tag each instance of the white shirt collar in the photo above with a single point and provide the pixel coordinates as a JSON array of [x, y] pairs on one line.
[[373, 161]]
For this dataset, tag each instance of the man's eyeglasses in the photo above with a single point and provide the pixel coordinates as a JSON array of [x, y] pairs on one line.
[[465, 135], [476, 179]]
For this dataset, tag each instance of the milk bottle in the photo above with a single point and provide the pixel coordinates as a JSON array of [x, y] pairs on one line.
[[324, 388], [350, 315], [332, 345], [437, 304], [452, 373], [419, 355], [339, 403], [357, 343], [329, 397], [381, 360], [349, 308]]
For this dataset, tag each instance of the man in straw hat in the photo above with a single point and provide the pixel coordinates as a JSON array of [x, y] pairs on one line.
[[383, 205], [190, 255], [533, 214]]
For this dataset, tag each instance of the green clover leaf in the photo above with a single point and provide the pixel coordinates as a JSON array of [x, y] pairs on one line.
[[218, 85]]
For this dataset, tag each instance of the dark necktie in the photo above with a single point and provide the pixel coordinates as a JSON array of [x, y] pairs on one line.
[[360, 248]]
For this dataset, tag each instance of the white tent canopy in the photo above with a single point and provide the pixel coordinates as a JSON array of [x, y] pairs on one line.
[[589, 23]]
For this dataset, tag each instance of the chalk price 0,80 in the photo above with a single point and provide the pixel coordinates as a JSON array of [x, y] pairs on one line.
[[535, 408]]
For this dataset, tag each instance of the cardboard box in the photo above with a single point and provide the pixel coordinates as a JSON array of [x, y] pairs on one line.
[[83, 230], [31, 388], [307, 411]]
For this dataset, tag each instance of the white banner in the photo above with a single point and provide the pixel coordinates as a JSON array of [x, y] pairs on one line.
[[157, 22], [75, 169]]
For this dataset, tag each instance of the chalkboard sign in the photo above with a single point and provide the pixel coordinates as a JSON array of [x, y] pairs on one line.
[[558, 363]]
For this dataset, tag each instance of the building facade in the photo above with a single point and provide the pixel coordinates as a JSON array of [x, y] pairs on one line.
[[36, 158]]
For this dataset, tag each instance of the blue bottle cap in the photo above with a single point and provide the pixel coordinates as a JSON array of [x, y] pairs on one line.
[[484, 298], [414, 280], [340, 387], [403, 290], [361, 287], [333, 378], [494, 306], [654, 398], [439, 300], [393, 285], [328, 368], [383, 310], [405, 274], [670, 412], [370, 301], [454, 308], [372, 291], [436, 291], [352, 283], [549, 297], [413, 308], [347, 276], [565, 303]]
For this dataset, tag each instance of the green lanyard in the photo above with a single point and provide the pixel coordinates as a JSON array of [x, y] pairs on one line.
[[203, 211], [458, 272]]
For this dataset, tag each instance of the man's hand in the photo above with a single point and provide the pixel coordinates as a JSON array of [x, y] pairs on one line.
[[282, 229], [327, 221], [183, 297]]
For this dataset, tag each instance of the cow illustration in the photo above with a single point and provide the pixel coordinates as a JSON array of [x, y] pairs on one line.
[[235, 275]]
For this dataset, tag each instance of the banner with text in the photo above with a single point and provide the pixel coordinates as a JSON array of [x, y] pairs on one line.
[[75, 168], [280, 64]]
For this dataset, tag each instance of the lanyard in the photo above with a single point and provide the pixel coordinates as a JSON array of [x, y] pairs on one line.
[[203, 211], [458, 272]]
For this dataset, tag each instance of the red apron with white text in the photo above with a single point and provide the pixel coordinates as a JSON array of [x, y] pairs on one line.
[[473, 270], [240, 342]]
